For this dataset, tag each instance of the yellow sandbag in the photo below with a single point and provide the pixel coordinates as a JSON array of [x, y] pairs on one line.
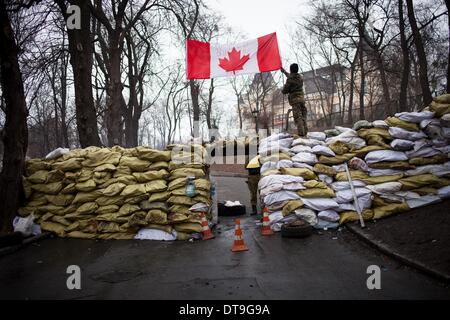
[[364, 133], [443, 182], [443, 98], [60, 220], [133, 190], [275, 158], [418, 181], [83, 197], [85, 175], [291, 206], [175, 165], [156, 216], [70, 188], [305, 173], [26, 211], [134, 163], [38, 177], [437, 159], [68, 165], [60, 200], [182, 192], [146, 205], [127, 209], [107, 209], [110, 227], [324, 169], [159, 165], [396, 122], [53, 227], [112, 217], [28, 191], [178, 208], [375, 140], [122, 171], [136, 199], [315, 184], [361, 153], [76, 153], [182, 200], [151, 175], [116, 236], [46, 217], [202, 184], [316, 193], [114, 189], [165, 228], [270, 172], [377, 201], [55, 176], [338, 159], [349, 216], [71, 176], [440, 108], [202, 199], [48, 188], [183, 236], [394, 165], [155, 186], [382, 212], [186, 172], [355, 174], [159, 196], [188, 227], [68, 209], [177, 183], [102, 177], [106, 201], [100, 157], [87, 208], [107, 167], [423, 191], [382, 179], [81, 235], [178, 218], [152, 155], [86, 186], [35, 165], [339, 148], [138, 219]]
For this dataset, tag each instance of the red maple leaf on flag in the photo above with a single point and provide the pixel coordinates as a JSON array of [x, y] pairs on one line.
[[234, 61]]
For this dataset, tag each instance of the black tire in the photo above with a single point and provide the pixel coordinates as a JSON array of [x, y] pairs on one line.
[[296, 231], [224, 211]]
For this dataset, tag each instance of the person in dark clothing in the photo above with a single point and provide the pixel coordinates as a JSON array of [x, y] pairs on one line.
[[294, 89]]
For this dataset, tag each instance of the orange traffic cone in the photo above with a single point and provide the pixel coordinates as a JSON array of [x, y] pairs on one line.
[[266, 230], [207, 234], [239, 244]]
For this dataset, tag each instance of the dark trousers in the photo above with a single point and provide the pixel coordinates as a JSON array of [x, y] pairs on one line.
[[299, 112]]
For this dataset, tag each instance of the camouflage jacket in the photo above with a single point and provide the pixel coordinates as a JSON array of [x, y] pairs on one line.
[[294, 88]]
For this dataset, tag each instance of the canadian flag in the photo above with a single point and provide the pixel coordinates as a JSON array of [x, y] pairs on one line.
[[205, 61]]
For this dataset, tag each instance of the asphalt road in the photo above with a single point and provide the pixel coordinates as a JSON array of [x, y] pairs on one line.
[[327, 265]]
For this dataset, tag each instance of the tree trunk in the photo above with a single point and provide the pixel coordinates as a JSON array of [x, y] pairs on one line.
[[447, 4], [352, 88], [15, 132], [209, 108], [195, 107], [81, 50], [238, 97], [406, 64], [423, 68], [362, 87]]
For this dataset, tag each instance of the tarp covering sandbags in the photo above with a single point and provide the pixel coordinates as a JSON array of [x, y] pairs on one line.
[[112, 193], [395, 165]]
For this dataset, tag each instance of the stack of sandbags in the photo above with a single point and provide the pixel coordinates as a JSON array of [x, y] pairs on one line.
[[188, 161], [105, 193], [396, 164]]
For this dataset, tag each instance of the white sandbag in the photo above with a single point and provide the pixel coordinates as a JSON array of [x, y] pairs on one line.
[[284, 164], [445, 149], [446, 132], [339, 167], [155, 234], [305, 157], [345, 185], [323, 150], [199, 207], [439, 143], [422, 201], [277, 178], [306, 214], [423, 152], [434, 132], [425, 123], [362, 124], [350, 138], [328, 215], [436, 169], [56, 153], [301, 148], [301, 165], [358, 164], [282, 143], [343, 129], [320, 204], [386, 187], [399, 196], [321, 136], [364, 201], [269, 150], [24, 225], [269, 165], [444, 192], [402, 145], [385, 155], [307, 142], [445, 120], [325, 225], [277, 216], [280, 196], [380, 124], [326, 179], [275, 137], [415, 117], [272, 188], [422, 143], [400, 133], [293, 186], [383, 172], [345, 196]]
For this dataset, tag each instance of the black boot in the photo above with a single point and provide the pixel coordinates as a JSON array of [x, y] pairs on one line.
[[254, 211]]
